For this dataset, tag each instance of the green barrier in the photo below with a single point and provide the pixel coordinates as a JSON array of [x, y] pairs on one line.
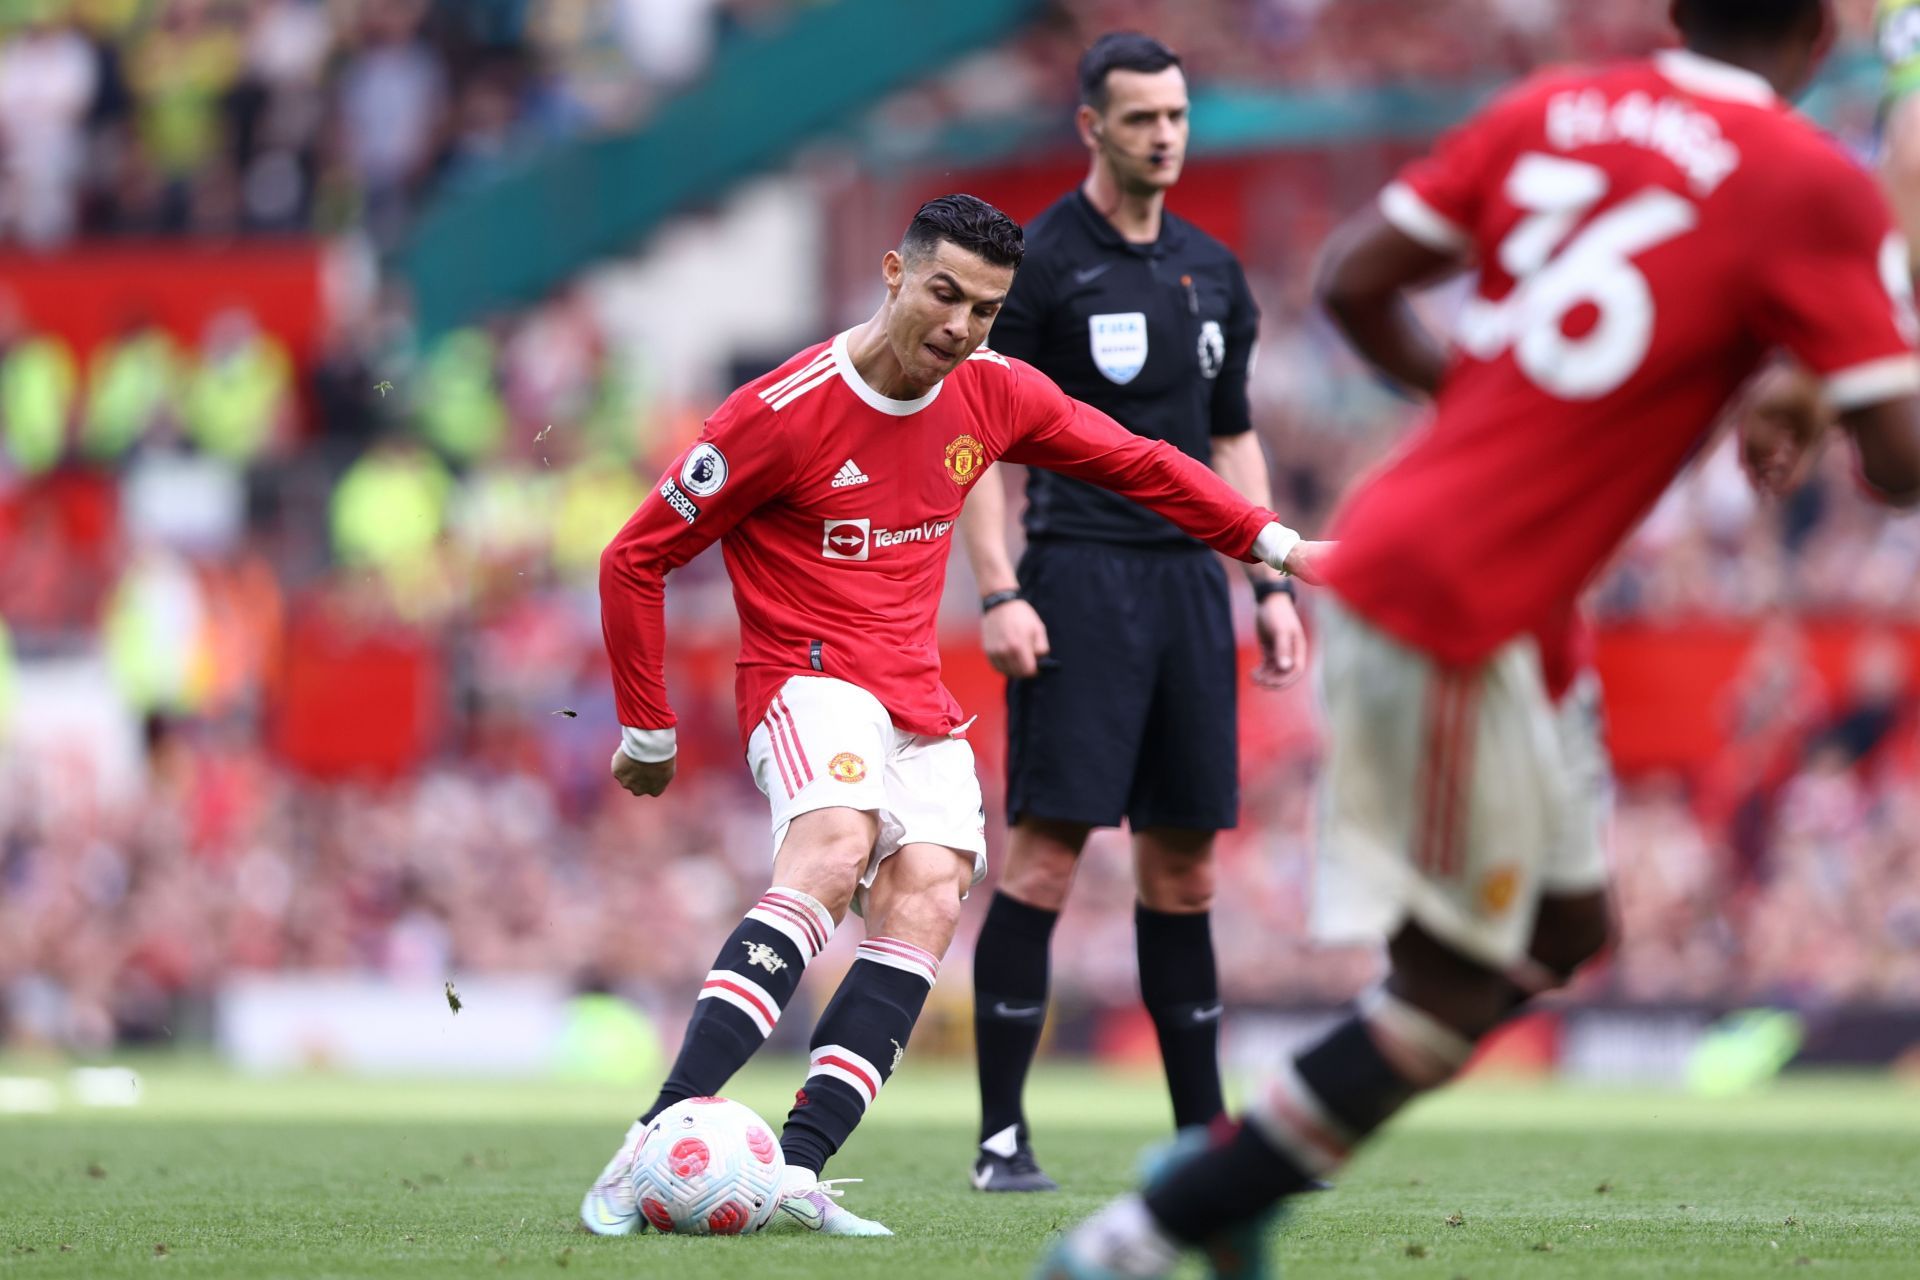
[[508, 242]]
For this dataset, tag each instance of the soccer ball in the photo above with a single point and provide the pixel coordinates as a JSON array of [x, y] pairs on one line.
[[708, 1167]]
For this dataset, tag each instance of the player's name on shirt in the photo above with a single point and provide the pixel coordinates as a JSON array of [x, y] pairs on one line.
[[1687, 136], [1644, 234]]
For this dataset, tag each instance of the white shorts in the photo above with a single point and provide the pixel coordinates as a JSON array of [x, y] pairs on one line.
[[827, 744], [1452, 796]]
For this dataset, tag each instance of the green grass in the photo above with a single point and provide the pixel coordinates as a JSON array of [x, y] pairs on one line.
[[321, 1177]]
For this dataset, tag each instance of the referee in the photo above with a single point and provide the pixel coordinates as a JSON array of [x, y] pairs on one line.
[[1117, 632]]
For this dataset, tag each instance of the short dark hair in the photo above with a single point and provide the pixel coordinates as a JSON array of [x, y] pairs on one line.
[[969, 223], [1120, 51], [1741, 21]]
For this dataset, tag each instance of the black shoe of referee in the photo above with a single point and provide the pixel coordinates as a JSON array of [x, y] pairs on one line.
[[1017, 1171]]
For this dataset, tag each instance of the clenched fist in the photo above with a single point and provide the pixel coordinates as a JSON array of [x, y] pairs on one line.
[[639, 777]]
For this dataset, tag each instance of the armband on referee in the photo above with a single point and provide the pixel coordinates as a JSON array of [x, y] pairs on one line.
[[1267, 588], [993, 600]]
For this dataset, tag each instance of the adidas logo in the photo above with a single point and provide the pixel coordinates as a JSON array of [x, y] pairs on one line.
[[848, 475]]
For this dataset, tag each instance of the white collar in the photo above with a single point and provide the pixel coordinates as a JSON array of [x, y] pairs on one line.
[[1711, 78], [885, 404]]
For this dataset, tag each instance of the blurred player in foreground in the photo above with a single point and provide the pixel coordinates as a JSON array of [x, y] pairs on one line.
[[834, 483], [1117, 638], [1645, 235]]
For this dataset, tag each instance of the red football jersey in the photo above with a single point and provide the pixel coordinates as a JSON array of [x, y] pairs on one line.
[[1645, 235], [835, 505]]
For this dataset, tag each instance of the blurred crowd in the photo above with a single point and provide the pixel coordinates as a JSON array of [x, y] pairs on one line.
[[186, 518], [1305, 46], [1320, 44], [516, 855], [461, 501], [214, 117]]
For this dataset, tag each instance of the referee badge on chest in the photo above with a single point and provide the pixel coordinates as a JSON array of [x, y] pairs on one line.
[[1119, 344]]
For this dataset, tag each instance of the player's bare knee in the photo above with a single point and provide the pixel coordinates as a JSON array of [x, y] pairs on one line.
[[918, 899], [1447, 985], [1571, 930], [823, 855], [927, 919]]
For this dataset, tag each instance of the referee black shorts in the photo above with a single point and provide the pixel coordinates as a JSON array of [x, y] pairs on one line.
[[1133, 714]]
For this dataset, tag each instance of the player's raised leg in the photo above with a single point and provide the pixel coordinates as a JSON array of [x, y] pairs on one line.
[[1446, 836], [1409, 1036]]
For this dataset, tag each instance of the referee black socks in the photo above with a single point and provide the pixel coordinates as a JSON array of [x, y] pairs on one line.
[[1181, 989], [1009, 1008]]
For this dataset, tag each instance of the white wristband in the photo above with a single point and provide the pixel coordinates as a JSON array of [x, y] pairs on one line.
[[1275, 543], [648, 746]]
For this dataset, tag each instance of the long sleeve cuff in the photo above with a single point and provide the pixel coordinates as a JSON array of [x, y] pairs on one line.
[[1274, 544], [648, 746]]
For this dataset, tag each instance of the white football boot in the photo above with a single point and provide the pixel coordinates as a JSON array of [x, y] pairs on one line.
[[1121, 1242], [611, 1208], [814, 1205]]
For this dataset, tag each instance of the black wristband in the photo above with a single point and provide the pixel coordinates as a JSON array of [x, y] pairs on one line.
[[993, 600], [1267, 588]]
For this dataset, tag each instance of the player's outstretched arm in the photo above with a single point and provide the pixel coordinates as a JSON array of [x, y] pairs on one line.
[[1011, 632], [1076, 439], [1886, 438], [1364, 275]]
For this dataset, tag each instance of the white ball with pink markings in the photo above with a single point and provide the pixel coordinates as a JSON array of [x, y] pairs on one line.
[[708, 1167]]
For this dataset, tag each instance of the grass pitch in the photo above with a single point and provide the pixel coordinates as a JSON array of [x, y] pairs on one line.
[[318, 1177]]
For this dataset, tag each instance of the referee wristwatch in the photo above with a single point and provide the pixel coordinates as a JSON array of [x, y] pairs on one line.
[[1267, 588]]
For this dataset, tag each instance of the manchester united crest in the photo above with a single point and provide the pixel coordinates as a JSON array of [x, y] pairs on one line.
[[1498, 889], [966, 459], [847, 767], [759, 953]]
